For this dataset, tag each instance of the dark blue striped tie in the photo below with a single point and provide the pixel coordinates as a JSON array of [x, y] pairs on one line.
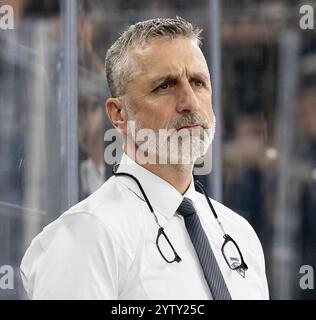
[[212, 273]]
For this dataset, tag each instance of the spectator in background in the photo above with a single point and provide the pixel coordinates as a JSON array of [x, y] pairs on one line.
[[91, 114], [246, 164], [305, 157], [306, 111], [91, 128], [86, 33]]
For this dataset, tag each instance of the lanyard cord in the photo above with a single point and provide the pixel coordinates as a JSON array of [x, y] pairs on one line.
[[201, 187], [196, 182], [140, 187]]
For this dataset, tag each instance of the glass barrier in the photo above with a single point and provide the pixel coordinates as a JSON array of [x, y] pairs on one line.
[[52, 92]]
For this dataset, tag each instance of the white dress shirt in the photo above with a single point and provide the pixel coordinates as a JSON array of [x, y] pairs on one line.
[[105, 246]]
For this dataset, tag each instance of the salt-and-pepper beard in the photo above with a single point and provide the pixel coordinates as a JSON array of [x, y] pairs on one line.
[[192, 145]]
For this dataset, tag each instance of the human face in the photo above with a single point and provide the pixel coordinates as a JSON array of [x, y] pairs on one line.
[[171, 87]]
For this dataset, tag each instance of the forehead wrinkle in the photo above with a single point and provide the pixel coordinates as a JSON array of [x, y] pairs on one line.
[[153, 72], [143, 56]]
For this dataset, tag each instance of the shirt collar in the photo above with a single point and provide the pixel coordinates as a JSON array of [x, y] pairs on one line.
[[162, 195]]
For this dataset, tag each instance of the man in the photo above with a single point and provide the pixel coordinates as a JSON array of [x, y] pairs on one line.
[[151, 235]]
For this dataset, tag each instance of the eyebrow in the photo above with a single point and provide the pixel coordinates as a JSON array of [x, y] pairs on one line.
[[164, 78], [171, 77]]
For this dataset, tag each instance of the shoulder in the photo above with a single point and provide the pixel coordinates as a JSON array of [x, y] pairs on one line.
[[112, 203], [92, 237], [233, 218], [223, 212], [103, 221], [69, 236]]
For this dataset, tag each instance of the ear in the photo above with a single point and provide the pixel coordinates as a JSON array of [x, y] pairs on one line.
[[117, 114]]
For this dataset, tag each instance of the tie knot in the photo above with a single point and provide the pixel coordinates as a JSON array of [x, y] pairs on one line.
[[186, 207]]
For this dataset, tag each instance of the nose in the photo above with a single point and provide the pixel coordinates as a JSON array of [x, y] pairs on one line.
[[187, 100]]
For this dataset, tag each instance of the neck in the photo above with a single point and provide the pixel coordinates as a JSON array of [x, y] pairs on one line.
[[178, 175]]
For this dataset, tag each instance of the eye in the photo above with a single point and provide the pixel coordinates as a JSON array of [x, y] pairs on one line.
[[163, 87], [199, 83]]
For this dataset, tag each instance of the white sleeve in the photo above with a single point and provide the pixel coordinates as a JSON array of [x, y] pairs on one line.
[[78, 261]]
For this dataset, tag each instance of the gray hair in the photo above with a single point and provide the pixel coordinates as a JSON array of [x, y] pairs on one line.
[[118, 71]]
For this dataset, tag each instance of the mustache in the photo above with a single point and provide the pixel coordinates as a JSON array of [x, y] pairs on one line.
[[190, 119]]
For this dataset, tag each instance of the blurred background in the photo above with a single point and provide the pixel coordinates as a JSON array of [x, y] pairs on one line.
[[52, 119]]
